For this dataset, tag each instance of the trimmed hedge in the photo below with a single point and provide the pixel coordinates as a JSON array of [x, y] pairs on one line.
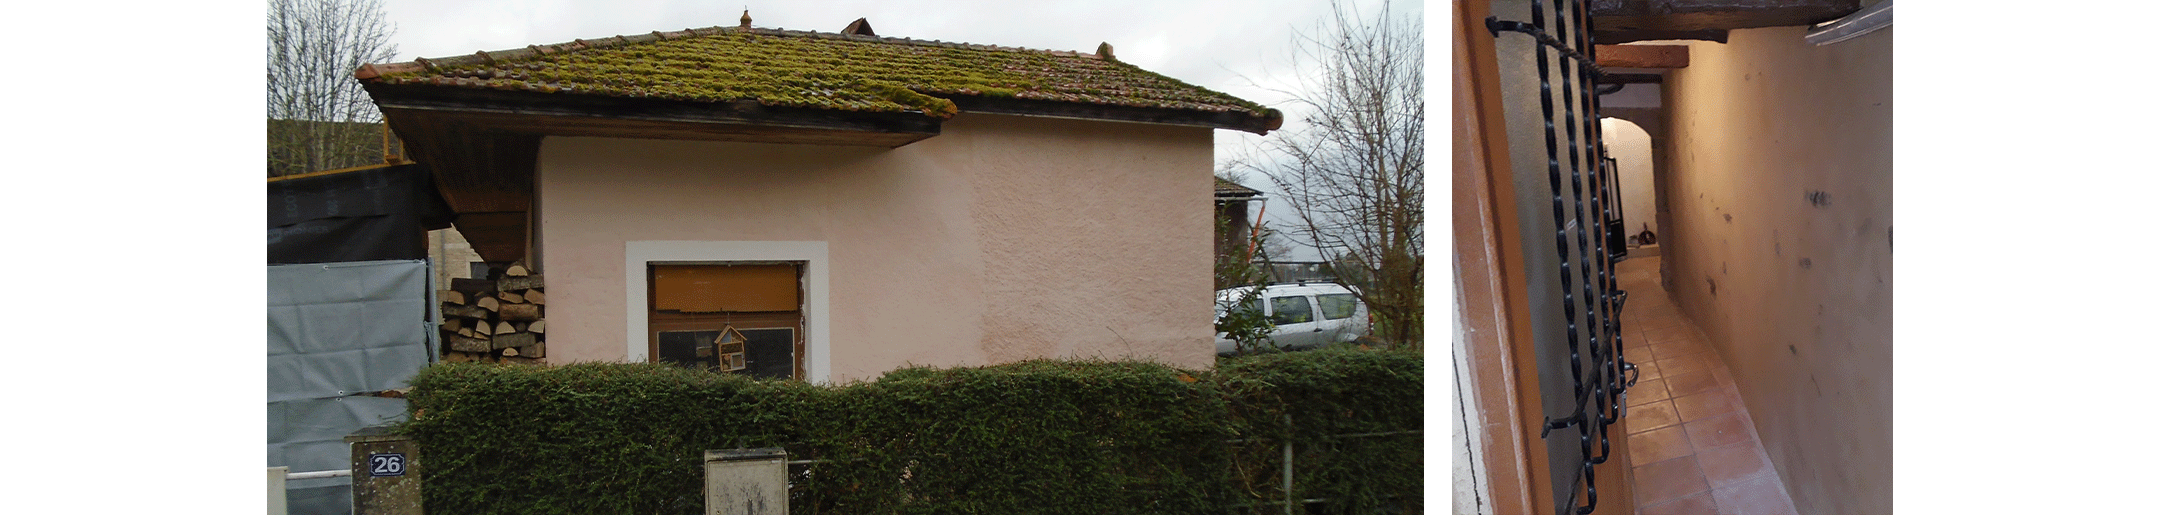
[[1044, 436]]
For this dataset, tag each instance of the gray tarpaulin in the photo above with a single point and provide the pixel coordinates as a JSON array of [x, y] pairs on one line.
[[343, 328], [338, 329]]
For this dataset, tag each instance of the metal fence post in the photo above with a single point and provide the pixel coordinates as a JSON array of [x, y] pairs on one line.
[[277, 490], [1289, 468]]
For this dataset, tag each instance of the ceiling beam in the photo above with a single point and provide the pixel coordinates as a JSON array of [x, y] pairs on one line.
[[1642, 56], [1620, 21]]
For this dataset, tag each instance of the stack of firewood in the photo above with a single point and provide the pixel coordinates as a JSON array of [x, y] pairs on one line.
[[498, 320]]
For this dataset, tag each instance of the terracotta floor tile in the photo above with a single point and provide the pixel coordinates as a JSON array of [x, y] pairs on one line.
[[1690, 383], [1697, 504], [1720, 430], [1733, 463], [1763, 495], [1638, 353], [1706, 404], [1649, 370], [1667, 480], [1647, 391], [1682, 365], [1657, 445], [1651, 416], [1724, 376], [1677, 349]]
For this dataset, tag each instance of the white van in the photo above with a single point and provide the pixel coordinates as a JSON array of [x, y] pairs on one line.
[[1305, 315]]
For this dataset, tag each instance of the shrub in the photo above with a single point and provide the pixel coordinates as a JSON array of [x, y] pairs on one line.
[[1044, 436]]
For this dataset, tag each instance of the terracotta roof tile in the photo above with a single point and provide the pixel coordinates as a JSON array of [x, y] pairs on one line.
[[810, 70], [1223, 187]]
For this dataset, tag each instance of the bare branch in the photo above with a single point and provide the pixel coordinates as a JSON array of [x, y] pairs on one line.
[[1353, 171]]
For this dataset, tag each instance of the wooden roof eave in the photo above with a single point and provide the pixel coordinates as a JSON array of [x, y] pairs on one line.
[[1234, 120]]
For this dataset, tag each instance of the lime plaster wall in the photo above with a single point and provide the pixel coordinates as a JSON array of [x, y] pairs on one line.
[[1780, 243], [1005, 238]]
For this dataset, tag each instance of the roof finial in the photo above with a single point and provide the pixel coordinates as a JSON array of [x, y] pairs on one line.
[[745, 17], [1106, 52]]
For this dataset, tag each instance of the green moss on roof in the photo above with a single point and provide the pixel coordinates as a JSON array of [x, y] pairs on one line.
[[815, 70]]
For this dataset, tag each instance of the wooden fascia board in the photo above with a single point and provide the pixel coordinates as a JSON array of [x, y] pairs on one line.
[[517, 110], [1642, 56], [1235, 120]]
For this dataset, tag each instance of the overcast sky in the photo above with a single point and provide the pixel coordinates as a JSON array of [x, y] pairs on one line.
[[1236, 47]]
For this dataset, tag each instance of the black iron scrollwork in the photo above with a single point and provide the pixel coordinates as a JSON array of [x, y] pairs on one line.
[[1584, 205]]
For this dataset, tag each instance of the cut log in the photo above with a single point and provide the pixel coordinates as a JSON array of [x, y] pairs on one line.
[[517, 327], [504, 328], [538, 349], [521, 360], [511, 297], [464, 312], [520, 283], [450, 296], [509, 352], [517, 270], [483, 329], [514, 340], [536, 297], [451, 325], [488, 303], [463, 344], [473, 287], [537, 327], [520, 312]]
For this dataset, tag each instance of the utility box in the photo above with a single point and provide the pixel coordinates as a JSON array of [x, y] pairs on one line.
[[385, 473], [746, 481]]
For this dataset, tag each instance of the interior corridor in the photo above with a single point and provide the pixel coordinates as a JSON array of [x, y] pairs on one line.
[[1694, 450]]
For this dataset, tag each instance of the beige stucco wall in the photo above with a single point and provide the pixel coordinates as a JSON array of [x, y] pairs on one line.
[[1793, 289], [1004, 238], [1629, 146]]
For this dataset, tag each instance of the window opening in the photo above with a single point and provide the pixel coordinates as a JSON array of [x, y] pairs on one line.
[[742, 318]]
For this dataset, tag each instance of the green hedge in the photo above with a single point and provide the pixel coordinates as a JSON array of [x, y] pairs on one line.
[[1042, 437]]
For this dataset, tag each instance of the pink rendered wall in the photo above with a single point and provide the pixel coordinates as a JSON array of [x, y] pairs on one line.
[[1780, 195], [1002, 239]]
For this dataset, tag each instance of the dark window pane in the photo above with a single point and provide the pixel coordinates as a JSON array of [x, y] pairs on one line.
[[1292, 310], [682, 348], [770, 353], [1337, 306]]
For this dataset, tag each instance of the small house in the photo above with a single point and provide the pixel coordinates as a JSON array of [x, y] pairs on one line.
[[846, 203]]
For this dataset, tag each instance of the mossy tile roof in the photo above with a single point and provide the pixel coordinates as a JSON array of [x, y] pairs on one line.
[[811, 70]]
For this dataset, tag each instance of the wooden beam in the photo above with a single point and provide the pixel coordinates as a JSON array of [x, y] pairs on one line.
[[1693, 15], [1631, 78], [1242, 121], [497, 237], [1642, 56]]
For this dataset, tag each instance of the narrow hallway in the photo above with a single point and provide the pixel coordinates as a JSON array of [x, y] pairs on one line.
[[1693, 447]]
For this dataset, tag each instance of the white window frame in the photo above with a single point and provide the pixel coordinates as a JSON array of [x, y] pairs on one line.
[[816, 312]]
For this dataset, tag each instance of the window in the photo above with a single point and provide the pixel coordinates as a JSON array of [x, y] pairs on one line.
[[812, 257], [693, 306], [1337, 306], [1291, 310]]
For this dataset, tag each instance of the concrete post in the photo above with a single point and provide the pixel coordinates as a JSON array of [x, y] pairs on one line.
[[385, 473], [746, 482]]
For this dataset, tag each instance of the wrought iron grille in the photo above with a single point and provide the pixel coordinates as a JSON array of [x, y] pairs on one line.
[[1567, 199]]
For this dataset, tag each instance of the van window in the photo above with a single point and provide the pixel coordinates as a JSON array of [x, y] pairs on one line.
[[1337, 306], [1292, 310]]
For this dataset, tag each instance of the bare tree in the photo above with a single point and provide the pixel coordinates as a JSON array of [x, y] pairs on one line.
[[1353, 171], [319, 115]]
